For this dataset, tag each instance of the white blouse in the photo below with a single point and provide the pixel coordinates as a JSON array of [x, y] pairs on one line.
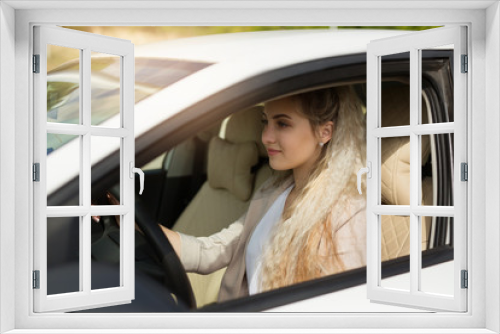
[[259, 238]]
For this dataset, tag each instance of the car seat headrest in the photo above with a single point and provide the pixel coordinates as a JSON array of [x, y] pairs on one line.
[[229, 166], [246, 126], [395, 171]]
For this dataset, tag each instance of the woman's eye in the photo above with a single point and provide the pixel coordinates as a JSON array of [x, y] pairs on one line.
[[263, 121], [282, 124]]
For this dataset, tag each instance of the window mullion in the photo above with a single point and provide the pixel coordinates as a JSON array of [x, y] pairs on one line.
[[421, 129], [414, 167], [460, 155], [124, 165], [76, 129], [373, 184], [39, 188], [127, 157], [405, 210], [85, 241]]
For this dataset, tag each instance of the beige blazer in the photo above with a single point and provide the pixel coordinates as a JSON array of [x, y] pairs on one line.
[[205, 255]]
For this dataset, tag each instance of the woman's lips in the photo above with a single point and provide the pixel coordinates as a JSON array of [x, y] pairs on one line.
[[271, 152]]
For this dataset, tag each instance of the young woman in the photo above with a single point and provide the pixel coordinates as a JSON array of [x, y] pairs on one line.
[[308, 223]]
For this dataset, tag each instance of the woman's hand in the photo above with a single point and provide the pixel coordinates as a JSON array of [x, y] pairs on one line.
[[113, 201], [173, 237]]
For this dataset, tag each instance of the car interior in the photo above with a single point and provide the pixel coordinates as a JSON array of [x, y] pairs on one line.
[[201, 182], [206, 182], [232, 165]]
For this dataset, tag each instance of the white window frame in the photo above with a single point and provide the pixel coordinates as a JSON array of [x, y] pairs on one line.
[[86, 297], [484, 212]]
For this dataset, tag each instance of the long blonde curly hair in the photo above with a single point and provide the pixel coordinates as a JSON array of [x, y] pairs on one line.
[[293, 253]]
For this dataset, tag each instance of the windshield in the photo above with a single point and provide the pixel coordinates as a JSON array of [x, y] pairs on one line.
[[63, 93]]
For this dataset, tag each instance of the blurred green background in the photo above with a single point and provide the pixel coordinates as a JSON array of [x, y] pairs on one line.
[[150, 34]]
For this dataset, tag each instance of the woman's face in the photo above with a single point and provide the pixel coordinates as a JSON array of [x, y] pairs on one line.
[[288, 137]]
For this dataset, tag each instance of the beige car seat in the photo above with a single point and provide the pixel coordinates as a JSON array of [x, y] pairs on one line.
[[226, 194], [395, 175]]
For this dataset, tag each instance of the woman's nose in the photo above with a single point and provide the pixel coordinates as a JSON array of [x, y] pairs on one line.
[[267, 135]]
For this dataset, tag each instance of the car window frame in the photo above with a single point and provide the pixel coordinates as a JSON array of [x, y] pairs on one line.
[[25, 320]]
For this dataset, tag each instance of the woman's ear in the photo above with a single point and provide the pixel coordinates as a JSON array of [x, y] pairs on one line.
[[326, 132]]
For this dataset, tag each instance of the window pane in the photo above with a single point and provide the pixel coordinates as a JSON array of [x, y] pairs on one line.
[[63, 84], [437, 85], [62, 166], [437, 271], [395, 92], [105, 82], [105, 157], [395, 171], [63, 257], [437, 169], [395, 250], [106, 254]]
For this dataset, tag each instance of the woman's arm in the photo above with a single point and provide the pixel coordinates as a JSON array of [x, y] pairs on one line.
[[174, 238], [205, 255]]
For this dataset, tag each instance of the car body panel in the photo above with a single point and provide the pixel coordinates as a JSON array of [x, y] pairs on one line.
[[354, 299]]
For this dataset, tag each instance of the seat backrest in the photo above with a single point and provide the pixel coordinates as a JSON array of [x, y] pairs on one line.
[[225, 196], [230, 184], [395, 174]]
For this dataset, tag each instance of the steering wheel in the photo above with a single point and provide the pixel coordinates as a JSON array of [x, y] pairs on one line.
[[175, 276]]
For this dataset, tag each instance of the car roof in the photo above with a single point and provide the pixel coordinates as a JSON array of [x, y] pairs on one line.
[[239, 56], [223, 47]]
